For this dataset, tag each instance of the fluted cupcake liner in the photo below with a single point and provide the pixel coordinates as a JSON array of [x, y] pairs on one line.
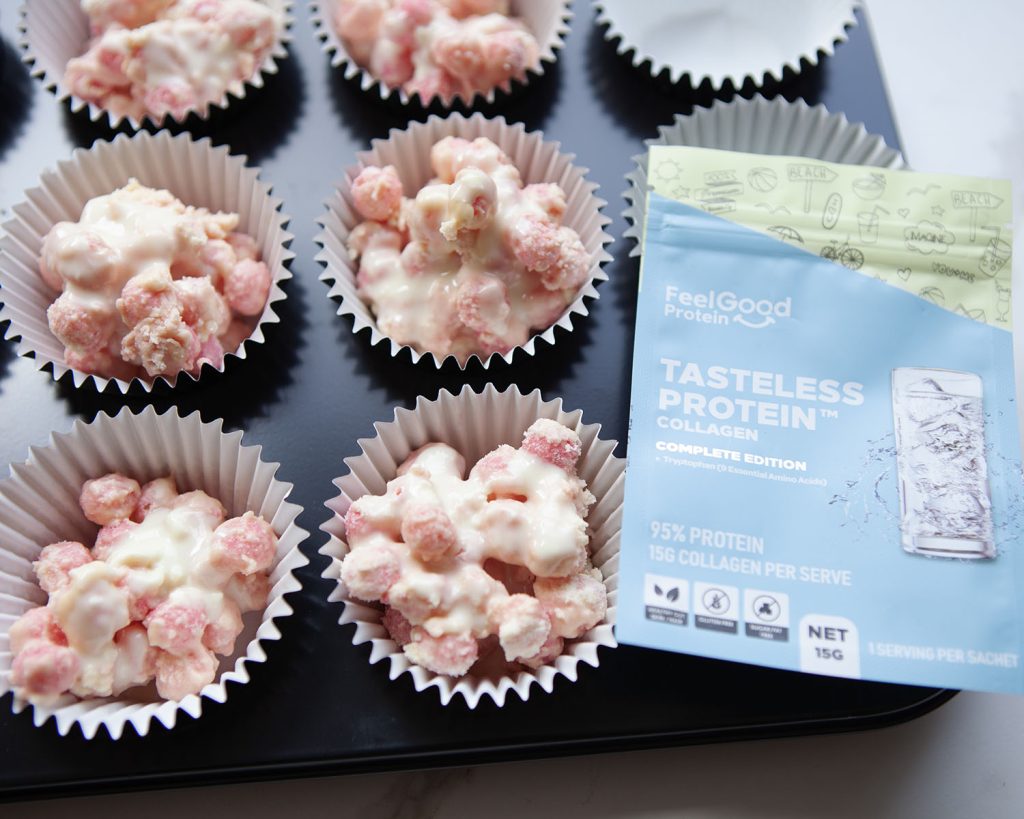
[[54, 31], [195, 171], [39, 506], [725, 41], [760, 126], [475, 424], [548, 20], [409, 151]]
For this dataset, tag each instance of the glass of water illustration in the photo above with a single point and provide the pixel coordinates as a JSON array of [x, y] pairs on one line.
[[945, 507]]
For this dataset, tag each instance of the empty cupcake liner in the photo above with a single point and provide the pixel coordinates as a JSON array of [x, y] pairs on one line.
[[409, 151], [39, 505], [548, 20], [474, 424], [196, 172], [725, 41], [54, 31], [760, 126]]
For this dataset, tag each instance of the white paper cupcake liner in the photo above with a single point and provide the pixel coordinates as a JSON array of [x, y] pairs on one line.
[[548, 20], [39, 505], [409, 152], [474, 424], [760, 126], [725, 41], [196, 172], [54, 31]]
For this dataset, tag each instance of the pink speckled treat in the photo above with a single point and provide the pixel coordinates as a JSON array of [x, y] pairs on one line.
[[443, 565], [148, 284], [153, 60], [442, 51], [159, 596], [122, 283], [472, 264], [437, 48], [495, 246]]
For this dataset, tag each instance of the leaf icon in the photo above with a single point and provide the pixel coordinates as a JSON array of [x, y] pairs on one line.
[[657, 590], [673, 595]]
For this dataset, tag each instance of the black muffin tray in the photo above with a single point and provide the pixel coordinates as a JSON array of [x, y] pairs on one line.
[[317, 706]]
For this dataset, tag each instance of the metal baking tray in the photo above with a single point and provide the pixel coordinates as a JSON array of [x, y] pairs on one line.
[[317, 706]]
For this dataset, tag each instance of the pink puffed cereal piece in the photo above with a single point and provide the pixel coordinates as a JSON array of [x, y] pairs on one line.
[[522, 625], [146, 294], [248, 27], [140, 604], [244, 245], [179, 676], [100, 362], [553, 442], [397, 626], [507, 56], [211, 352], [176, 628], [575, 604], [78, 324], [481, 153], [391, 59], [451, 654], [162, 343], [211, 509], [244, 544], [247, 286], [35, 624], [373, 236], [249, 591], [493, 464], [109, 536], [377, 193], [220, 635], [548, 653], [110, 498], [428, 531], [359, 19], [482, 303], [443, 156], [460, 53], [573, 265], [204, 309], [42, 670], [369, 573], [418, 601], [173, 96], [549, 197], [157, 494], [55, 562]]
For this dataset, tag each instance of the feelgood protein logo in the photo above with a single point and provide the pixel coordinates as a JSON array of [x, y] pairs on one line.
[[725, 307]]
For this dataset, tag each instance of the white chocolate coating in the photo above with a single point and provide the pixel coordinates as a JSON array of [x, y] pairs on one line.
[[474, 263], [171, 56], [440, 549], [148, 282], [160, 600]]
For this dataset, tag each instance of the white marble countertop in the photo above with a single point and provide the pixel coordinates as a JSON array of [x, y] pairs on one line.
[[956, 85]]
